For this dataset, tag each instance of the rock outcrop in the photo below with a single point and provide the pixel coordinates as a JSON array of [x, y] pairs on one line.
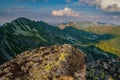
[[46, 63]]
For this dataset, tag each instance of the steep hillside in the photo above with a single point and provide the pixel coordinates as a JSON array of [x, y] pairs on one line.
[[24, 34], [46, 63], [112, 45]]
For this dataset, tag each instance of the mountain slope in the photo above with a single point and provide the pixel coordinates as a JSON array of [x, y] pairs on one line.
[[20, 35], [112, 45], [23, 34]]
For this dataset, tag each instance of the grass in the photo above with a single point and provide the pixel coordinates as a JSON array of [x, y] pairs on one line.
[[112, 45]]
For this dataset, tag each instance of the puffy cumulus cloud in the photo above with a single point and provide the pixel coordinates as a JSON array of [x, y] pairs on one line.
[[105, 5], [65, 12]]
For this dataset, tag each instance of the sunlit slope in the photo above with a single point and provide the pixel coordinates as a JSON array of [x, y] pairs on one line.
[[112, 45]]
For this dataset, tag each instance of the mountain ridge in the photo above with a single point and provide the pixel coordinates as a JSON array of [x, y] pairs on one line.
[[23, 34], [27, 35]]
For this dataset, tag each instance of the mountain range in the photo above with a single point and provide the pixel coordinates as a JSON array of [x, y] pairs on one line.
[[24, 34]]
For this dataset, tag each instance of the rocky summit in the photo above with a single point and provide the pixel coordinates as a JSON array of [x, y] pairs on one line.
[[59, 62]]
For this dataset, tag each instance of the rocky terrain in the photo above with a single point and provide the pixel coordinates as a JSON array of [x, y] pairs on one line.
[[59, 62], [104, 69]]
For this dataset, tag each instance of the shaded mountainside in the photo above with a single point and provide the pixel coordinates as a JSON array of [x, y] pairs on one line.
[[23, 34], [46, 63]]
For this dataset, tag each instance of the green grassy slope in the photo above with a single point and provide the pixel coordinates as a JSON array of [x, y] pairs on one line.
[[112, 45]]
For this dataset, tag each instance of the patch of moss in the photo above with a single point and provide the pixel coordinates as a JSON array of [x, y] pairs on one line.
[[36, 74], [30, 63], [110, 78], [6, 70], [18, 79], [62, 57], [7, 78], [49, 66], [36, 55]]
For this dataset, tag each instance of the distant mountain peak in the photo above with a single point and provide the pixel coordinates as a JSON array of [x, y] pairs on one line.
[[22, 18]]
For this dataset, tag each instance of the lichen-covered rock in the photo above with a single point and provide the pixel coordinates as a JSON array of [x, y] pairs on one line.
[[46, 63]]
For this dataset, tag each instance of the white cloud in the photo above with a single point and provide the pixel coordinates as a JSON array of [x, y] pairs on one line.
[[65, 12], [105, 5]]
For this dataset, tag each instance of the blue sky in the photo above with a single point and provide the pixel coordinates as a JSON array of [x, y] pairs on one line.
[[61, 10]]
